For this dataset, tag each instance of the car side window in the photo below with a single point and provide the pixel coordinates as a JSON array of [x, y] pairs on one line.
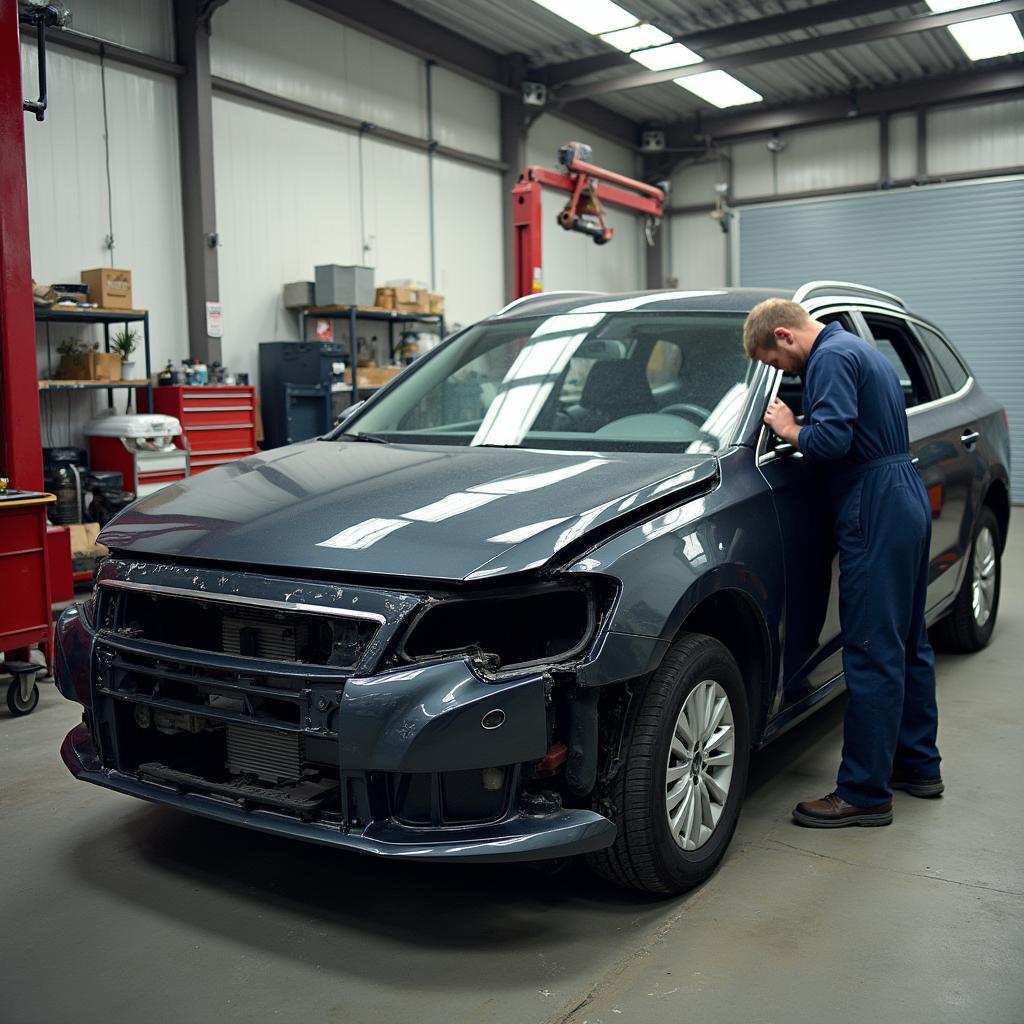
[[950, 373], [896, 342]]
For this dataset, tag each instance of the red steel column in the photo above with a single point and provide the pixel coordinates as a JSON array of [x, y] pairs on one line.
[[21, 457], [527, 261]]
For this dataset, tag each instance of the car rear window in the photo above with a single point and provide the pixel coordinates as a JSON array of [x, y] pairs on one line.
[[950, 372]]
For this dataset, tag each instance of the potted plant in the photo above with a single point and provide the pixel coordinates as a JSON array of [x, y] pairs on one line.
[[124, 344]]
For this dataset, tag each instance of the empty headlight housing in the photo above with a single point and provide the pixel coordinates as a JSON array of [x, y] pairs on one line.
[[516, 628]]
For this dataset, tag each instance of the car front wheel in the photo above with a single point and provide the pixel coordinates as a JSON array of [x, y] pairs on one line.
[[677, 794]]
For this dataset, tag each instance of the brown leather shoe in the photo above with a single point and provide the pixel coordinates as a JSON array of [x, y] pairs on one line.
[[833, 811]]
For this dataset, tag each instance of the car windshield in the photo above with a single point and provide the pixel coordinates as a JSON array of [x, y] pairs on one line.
[[586, 380]]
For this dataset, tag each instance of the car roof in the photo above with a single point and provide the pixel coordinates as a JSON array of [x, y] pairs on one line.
[[707, 300]]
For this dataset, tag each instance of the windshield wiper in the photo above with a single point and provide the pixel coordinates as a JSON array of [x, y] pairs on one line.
[[374, 438]]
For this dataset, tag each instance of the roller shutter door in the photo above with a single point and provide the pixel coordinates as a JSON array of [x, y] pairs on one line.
[[953, 253]]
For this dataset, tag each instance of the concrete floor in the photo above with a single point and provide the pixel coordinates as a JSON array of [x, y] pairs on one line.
[[112, 910]]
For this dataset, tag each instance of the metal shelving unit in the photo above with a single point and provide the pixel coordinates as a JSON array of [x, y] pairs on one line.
[[352, 314], [72, 315]]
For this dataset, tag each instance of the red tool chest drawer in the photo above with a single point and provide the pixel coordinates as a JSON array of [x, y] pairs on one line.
[[218, 421]]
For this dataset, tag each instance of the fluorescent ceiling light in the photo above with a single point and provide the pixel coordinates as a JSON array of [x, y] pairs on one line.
[[673, 56], [988, 37], [593, 16], [719, 88], [941, 6], [637, 38]]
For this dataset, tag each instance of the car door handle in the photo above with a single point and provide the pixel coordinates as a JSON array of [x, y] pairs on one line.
[[969, 437]]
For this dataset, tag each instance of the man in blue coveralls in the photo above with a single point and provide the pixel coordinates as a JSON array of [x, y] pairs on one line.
[[855, 426]]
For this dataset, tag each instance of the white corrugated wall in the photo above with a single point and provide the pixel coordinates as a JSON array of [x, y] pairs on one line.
[[69, 216], [293, 193]]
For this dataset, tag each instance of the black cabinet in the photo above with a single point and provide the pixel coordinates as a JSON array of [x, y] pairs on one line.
[[302, 389]]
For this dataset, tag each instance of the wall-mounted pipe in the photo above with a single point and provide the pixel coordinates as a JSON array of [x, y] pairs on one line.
[[431, 147]]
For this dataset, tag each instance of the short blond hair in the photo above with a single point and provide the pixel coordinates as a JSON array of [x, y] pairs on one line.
[[759, 330]]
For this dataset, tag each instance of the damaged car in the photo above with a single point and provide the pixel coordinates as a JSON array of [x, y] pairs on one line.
[[540, 596]]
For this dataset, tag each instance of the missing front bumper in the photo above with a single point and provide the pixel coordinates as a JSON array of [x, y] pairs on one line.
[[516, 838]]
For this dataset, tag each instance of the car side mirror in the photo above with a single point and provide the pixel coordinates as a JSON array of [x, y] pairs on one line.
[[350, 412]]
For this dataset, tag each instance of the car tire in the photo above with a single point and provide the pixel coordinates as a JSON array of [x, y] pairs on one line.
[[969, 623], [647, 854]]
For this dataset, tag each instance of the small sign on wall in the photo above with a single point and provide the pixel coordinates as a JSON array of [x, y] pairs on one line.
[[214, 320]]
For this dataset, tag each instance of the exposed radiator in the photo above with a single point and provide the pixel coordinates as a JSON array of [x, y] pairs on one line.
[[269, 755], [260, 635]]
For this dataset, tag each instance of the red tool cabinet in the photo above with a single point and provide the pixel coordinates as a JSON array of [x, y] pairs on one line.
[[218, 421], [24, 600]]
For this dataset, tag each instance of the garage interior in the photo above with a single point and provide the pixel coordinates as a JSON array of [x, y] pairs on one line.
[[279, 205]]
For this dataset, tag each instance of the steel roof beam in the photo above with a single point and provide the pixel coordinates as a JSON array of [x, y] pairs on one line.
[[726, 35], [802, 47], [925, 92]]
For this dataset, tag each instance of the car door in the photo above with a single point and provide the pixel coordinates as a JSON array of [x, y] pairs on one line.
[[942, 440], [812, 637]]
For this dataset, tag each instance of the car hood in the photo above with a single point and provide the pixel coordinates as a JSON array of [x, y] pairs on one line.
[[420, 511]]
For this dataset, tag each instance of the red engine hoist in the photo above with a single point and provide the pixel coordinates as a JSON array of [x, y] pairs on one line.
[[590, 188]]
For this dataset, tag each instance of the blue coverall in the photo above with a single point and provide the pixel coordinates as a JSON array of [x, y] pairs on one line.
[[856, 426]]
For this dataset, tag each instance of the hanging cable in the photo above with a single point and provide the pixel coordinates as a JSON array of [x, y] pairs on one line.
[[109, 240], [362, 201], [431, 146]]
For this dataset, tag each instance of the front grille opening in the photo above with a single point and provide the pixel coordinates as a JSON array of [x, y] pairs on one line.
[[251, 765], [470, 797], [515, 630], [184, 685], [261, 633]]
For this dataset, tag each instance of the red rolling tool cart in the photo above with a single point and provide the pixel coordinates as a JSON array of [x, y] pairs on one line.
[[25, 619], [218, 421]]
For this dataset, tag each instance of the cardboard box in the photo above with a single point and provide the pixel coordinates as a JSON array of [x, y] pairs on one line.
[[343, 286], [91, 366], [109, 288], [435, 303], [298, 294], [83, 540], [373, 376], [385, 298], [412, 300]]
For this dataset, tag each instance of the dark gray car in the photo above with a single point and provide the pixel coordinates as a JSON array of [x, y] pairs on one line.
[[540, 596]]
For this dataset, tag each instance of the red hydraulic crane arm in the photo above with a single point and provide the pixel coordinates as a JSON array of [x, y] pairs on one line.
[[590, 188]]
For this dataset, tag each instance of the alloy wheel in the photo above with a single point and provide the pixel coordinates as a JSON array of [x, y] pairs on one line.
[[983, 568], [700, 762]]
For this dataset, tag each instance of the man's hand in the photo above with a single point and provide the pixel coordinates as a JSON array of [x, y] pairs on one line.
[[781, 420]]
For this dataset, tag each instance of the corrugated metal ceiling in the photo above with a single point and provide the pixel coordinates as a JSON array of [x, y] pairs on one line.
[[521, 26]]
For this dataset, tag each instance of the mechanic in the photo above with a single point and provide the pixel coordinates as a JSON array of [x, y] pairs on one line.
[[856, 427]]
